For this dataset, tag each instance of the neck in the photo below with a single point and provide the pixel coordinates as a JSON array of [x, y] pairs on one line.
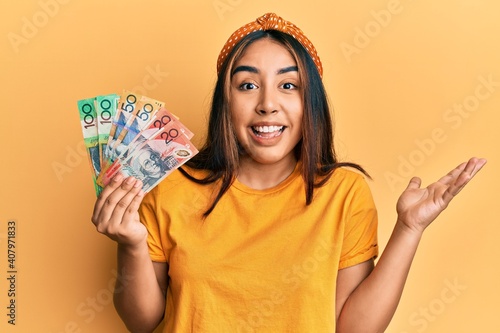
[[263, 176]]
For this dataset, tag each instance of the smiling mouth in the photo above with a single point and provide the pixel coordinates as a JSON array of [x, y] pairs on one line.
[[268, 131]]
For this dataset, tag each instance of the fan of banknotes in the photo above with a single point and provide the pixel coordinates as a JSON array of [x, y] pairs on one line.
[[133, 135]]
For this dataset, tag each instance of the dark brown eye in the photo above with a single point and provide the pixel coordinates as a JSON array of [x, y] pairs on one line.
[[288, 86], [247, 86]]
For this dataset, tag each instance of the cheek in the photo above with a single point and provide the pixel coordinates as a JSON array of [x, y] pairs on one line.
[[295, 107], [298, 118], [233, 111], [237, 116], [235, 124]]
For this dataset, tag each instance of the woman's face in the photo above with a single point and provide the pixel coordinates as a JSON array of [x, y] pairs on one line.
[[266, 102]]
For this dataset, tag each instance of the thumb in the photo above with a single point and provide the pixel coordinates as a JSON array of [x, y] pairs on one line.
[[414, 183]]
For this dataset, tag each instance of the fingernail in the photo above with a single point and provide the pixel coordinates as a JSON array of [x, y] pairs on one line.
[[117, 178], [138, 183], [129, 180]]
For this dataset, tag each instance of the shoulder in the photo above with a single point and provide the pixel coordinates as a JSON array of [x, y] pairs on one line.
[[346, 178], [346, 185]]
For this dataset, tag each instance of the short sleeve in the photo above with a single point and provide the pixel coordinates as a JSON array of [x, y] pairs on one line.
[[148, 217], [360, 231]]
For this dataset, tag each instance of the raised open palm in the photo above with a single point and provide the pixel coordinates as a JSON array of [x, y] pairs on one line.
[[418, 207]]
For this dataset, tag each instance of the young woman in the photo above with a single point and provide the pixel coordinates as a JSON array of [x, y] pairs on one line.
[[265, 230]]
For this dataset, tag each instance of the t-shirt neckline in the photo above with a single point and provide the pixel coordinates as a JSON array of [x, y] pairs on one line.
[[244, 188]]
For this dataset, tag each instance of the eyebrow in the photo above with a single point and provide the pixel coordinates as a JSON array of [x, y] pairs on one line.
[[288, 69], [252, 69]]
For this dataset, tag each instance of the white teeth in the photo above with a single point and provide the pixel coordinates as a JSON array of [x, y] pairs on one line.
[[267, 129]]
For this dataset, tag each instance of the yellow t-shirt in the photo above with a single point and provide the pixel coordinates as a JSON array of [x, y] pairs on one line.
[[262, 261]]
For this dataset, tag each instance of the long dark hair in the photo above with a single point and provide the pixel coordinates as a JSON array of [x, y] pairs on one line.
[[220, 153]]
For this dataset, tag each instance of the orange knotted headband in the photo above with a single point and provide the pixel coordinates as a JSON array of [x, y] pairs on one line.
[[270, 21]]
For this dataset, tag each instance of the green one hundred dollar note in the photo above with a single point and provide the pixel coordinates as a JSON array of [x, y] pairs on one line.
[[106, 109], [88, 121]]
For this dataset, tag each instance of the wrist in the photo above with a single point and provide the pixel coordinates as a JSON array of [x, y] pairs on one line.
[[133, 249], [405, 230]]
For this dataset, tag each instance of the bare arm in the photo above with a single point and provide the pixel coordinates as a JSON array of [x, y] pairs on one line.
[[139, 298], [371, 304], [139, 292], [367, 299]]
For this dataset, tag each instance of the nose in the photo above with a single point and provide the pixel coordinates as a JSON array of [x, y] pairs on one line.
[[267, 101]]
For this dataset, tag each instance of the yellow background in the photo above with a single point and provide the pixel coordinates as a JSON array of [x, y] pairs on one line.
[[395, 72]]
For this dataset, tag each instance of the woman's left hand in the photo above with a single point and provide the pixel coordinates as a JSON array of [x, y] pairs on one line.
[[418, 207]]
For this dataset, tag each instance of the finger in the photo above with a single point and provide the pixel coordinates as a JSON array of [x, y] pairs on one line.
[[470, 170], [450, 177], [124, 196], [131, 211], [414, 183], [115, 183], [114, 204], [471, 167], [478, 165]]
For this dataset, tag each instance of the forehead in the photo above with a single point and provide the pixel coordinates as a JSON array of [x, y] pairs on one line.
[[266, 51]]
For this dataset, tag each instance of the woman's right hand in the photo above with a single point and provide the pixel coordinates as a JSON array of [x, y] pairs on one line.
[[116, 211]]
